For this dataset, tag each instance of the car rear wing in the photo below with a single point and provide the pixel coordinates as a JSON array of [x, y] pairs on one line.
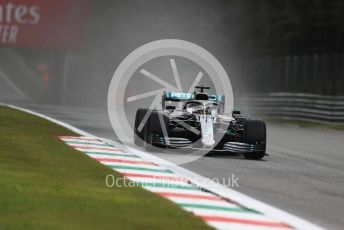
[[172, 96], [183, 97], [217, 98]]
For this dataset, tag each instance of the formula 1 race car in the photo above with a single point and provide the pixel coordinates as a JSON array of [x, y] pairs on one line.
[[196, 121]]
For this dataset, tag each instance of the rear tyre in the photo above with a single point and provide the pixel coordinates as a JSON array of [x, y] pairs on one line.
[[139, 135], [255, 133]]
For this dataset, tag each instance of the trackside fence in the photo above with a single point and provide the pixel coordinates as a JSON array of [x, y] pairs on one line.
[[315, 74], [295, 106]]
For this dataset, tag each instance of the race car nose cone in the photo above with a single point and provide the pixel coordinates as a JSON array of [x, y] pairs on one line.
[[207, 130], [208, 142]]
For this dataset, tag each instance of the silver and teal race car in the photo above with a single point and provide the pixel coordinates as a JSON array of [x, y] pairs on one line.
[[195, 121]]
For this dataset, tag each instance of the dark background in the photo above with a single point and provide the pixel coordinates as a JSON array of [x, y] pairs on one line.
[[265, 46]]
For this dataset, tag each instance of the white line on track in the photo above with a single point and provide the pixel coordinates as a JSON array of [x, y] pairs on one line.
[[196, 179]]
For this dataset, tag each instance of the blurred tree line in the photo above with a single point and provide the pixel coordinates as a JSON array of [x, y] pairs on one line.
[[270, 28]]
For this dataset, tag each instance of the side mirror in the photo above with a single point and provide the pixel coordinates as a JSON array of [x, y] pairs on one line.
[[236, 113], [170, 107]]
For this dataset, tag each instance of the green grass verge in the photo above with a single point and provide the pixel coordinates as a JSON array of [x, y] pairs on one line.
[[308, 124], [45, 184]]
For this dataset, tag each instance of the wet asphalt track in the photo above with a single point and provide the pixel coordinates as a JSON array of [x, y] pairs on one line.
[[303, 175]]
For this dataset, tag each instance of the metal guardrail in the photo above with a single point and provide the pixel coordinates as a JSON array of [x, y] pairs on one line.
[[295, 106]]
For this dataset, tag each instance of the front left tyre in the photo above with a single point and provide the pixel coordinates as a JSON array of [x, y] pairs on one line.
[[139, 135], [157, 125]]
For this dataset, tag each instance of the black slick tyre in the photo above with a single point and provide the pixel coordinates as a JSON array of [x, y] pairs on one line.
[[255, 133]]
